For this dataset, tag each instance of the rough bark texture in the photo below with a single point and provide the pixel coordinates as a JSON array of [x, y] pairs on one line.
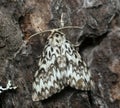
[[100, 23]]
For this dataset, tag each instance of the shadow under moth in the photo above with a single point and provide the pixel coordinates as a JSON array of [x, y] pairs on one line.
[[60, 65]]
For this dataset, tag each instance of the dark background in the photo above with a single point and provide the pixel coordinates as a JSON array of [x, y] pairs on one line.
[[100, 48]]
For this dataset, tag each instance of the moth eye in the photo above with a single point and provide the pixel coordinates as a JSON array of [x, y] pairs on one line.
[[57, 35]]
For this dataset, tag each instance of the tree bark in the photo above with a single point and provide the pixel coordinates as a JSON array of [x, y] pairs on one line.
[[99, 39]]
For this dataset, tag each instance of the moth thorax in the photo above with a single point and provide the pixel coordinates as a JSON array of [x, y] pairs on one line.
[[61, 61], [57, 39]]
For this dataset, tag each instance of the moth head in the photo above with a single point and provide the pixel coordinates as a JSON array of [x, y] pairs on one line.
[[57, 38]]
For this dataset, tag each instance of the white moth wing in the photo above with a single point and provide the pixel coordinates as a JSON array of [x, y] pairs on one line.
[[59, 65], [48, 78], [77, 74]]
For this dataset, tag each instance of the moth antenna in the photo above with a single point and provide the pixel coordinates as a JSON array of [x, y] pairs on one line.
[[57, 29]]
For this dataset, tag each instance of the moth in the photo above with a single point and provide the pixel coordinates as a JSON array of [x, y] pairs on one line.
[[60, 65], [8, 87]]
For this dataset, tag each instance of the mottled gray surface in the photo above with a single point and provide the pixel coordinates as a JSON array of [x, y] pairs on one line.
[[100, 48]]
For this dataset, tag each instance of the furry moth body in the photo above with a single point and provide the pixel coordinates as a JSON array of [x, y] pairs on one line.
[[59, 65]]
